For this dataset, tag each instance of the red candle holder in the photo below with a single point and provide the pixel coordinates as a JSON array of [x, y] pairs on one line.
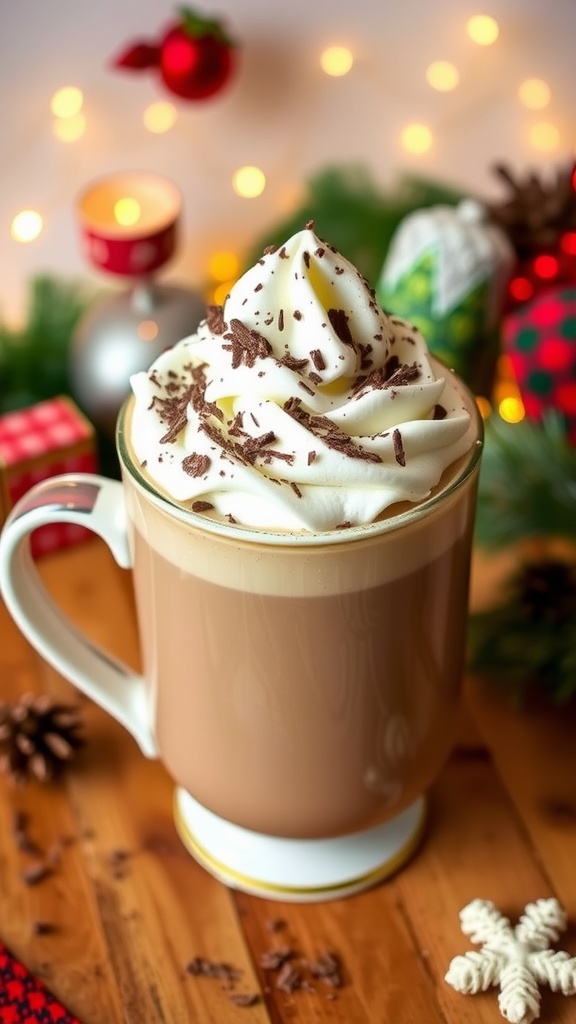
[[128, 225], [128, 222]]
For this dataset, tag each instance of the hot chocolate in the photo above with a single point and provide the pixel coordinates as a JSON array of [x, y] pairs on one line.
[[304, 689]]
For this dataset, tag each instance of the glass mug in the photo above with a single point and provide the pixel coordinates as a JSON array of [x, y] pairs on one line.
[[300, 689]]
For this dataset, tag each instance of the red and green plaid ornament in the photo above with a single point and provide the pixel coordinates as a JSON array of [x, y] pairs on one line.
[[540, 339]]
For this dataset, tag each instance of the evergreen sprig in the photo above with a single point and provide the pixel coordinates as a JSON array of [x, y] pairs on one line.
[[34, 360], [527, 484], [527, 642], [355, 215]]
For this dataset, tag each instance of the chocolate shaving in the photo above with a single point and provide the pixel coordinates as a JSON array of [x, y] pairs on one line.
[[215, 319], [297, 314], [306, 257], [283, 254], [201, 506], [201, 967], [281, 320], [332, 436], [305, 387], [246, 345], [309, 225], [296, 489], [339, 321], [195, 464], [289, 979], [327, 967], [399, 453], [311, 457], [318, 359], [36, 873], [270, 249], [405, 374], [275, 958], [439, 412], [245, 998], [293, 363]]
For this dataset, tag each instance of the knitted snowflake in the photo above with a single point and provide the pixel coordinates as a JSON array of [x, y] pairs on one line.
[[517, 959]]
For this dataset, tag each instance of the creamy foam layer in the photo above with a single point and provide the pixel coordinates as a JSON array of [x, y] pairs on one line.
[[300, 405], [285, 565]]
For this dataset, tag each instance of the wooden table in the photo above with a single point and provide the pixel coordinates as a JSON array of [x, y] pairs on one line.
[[502, 826]]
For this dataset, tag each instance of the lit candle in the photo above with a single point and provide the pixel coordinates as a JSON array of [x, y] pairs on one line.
[[128, 222]]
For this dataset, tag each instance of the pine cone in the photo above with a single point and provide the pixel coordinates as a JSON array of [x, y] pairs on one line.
[[38, 737], [536, 213]]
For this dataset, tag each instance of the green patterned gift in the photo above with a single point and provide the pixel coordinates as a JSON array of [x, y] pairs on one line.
[[446, 271]]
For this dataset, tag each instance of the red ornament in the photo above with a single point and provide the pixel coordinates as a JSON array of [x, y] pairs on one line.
[[195, 57]]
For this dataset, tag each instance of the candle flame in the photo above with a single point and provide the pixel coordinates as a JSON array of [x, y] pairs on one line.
[[127, 211]]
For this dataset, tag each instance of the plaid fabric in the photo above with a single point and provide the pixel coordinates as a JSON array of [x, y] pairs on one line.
[[42, 441], [24, 999]]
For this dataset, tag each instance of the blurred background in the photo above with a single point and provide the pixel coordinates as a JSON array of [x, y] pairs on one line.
[[410, 91]]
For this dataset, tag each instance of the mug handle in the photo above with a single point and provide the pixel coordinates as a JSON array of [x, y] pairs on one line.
[[96, 503]]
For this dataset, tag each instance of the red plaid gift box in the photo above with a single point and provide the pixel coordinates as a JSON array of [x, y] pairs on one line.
[[41, 441]]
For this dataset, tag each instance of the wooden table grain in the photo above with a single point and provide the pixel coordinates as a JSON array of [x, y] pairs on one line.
[[131, 908]]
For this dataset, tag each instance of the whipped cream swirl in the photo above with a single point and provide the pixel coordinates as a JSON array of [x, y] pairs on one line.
[[299, 404]]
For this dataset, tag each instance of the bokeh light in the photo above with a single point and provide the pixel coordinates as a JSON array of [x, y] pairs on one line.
[[544, 136], [147, 330], [67, 102], [221, 291], [534, 93], [160, 117], [69, 129], [511, 409], [484, 406], [26, 226], [249, 182], [442, 75], [127, 211], [546, 266], [416, 138], [521, 288], [482, 29], [336, 60], [223, 266]]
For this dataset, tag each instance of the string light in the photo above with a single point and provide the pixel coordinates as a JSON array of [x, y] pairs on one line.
[[67, 102], [223, 266], [147, 330], [249, 182], [69, 129], [521, 288], [336, 60], [160, 117], [482, 29], [568, 243], [127, 211], [416, 138], [511, 409], [544, 136], [546, 267], [26, 226], [442, 75], [221, 292], [534, 93]]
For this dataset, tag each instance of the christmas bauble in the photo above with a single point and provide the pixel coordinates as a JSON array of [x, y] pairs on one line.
[[540, 339], [122, 334]]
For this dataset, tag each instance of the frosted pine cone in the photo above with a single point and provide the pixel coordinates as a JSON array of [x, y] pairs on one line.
[[38, 737]]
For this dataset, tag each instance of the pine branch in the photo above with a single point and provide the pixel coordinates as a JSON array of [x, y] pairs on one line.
[[527, 482]]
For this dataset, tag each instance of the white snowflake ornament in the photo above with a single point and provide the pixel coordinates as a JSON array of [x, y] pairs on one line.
[[517, 959]]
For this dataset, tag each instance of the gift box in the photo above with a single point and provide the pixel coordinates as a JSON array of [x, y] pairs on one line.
[[38, 442]]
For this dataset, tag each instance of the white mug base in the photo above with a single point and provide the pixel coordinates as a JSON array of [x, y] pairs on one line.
[[296, 870]]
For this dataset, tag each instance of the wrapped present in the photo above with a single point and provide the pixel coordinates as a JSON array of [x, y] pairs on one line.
[[446, 272], [41, 441]]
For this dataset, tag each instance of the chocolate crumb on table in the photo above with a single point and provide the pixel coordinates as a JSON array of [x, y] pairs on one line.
[[36, 873], [43, 928]]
